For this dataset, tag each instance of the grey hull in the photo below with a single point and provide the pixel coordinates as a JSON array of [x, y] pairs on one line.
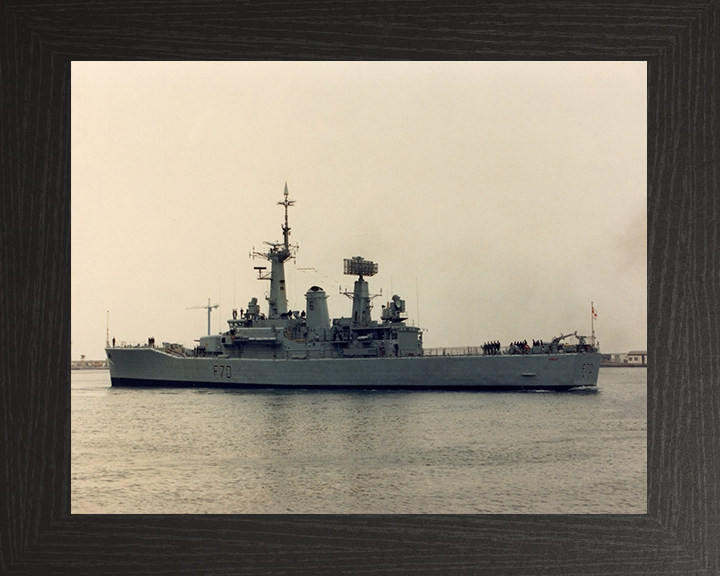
[[154, 367], [281, 348]]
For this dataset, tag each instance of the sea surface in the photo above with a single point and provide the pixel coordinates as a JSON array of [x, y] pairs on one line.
[[196, 451]]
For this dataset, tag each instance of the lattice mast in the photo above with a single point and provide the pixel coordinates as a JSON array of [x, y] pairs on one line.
[[277, 255]]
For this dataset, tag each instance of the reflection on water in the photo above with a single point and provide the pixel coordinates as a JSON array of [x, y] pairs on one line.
[[224, 451]]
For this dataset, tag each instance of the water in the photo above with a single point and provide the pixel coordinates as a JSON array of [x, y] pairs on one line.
[[194, 451]]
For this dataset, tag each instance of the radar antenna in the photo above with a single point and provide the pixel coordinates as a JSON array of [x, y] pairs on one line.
[[357, 265], [362, 299]]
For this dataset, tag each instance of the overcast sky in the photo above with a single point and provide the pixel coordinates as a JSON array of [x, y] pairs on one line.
[[498, 198]]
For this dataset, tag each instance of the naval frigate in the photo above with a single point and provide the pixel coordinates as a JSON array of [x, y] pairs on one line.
[[284, 348]]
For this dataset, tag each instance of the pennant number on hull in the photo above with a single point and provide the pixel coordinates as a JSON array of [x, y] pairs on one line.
[[221, 371]]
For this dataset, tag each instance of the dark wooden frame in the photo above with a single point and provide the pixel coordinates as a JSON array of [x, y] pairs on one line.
[[681, 531]]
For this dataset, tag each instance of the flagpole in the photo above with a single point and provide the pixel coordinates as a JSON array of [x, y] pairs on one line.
[[592, 322]]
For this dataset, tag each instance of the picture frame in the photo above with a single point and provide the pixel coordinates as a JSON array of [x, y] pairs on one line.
[[679, 534]]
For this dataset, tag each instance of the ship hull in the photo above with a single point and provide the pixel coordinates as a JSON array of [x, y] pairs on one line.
[[151, 367]]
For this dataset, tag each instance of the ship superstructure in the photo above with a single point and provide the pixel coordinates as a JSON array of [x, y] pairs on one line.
[[308, 349]]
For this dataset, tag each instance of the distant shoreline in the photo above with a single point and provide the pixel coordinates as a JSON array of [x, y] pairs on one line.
[[601, 366], [89, 368], [623, 365]]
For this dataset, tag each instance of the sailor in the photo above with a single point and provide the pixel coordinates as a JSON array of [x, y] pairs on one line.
[[113, 342]]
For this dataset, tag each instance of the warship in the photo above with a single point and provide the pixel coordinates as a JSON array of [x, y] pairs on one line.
[[284, 348]]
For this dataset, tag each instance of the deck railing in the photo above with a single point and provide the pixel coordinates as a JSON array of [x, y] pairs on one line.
[[454, 351]]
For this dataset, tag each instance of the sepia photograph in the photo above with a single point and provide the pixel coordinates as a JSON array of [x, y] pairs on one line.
[[359, 287]]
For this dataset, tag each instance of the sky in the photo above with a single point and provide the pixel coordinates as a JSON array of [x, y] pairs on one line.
[[499, 199]]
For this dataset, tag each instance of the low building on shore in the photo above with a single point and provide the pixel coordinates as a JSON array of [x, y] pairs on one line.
[[635, 358], [84, 364]]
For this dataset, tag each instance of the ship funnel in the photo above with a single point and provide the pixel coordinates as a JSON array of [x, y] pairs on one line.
[[318, 317]]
